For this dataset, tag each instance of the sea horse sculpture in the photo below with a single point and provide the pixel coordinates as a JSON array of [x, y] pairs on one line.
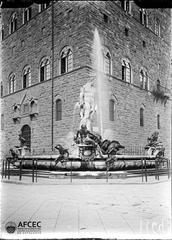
[[63, 155], [15, 154], [103, 147], [153, 147]]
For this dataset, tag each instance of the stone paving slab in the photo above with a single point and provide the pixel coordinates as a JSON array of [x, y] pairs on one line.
[[120, 209]]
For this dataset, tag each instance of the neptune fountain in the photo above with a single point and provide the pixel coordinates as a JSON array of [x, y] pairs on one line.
[[88, 139]]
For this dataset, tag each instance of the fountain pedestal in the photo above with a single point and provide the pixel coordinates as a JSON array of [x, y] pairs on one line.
[[87, 154]]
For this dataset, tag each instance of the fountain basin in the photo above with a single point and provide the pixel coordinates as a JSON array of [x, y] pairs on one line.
[[77, 164], [99, 165], [68, 165]]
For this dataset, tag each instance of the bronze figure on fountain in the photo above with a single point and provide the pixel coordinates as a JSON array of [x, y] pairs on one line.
[[22, 140], [81, 135], [106, 149], [154, 147], [63, 155], [18, 150]]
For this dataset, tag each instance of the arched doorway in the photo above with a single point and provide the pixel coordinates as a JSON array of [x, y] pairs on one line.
[[26, 134]]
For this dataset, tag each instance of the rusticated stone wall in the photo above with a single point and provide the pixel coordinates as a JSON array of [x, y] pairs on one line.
[[74, 25]]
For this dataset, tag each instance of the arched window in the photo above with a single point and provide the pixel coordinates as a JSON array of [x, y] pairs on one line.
[[141, 117], [126, 71], [66, 60], [58, 109], [158, 85], [111, 109], [157, 26], [43, 6], [13, 23], [141, 79], [126, 5], [26, 77], [27, 14], [12, 83], [44, 69], [144, 81], [107, 63], [158, 121], [2, 33], [26, 134], [2, 121], [144, 17], [1, 89]]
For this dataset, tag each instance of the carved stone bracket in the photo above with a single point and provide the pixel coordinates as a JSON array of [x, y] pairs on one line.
[[16, 113], [33, 108]]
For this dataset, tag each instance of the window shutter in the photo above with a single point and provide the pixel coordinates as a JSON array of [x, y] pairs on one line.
[[30, 13], [141, 117], [42, 74], [141, 16], [47, 70], [63, 65], [11, 27], [111, 110], [158, 121], [15, 24], [58, 110], [25, 15], [123, 72], [24, 80], [128, 73]]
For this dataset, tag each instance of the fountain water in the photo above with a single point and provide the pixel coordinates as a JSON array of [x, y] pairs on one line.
[[92, 97], [98, 64]]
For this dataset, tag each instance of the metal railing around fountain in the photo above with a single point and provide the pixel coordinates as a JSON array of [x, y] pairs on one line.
[[8, 170], [133, 150], [20, 171]]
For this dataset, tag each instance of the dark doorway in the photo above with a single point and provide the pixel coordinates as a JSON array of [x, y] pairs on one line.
[[26, 134]]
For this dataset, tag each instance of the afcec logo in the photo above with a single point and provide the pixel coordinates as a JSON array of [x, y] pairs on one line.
[[10, 227], [24, 227], [30, 224]]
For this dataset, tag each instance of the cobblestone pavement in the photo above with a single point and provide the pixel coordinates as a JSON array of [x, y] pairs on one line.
[[89, 208]]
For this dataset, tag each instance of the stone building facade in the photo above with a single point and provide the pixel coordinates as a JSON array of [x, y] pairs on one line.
[[47, 56]]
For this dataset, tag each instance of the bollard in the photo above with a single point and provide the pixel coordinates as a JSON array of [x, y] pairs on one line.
[[155, 169], [107, 173], [2, 168], [33, 171], [5, 168], [145, 170], [142, 161], [8, 165], [71, 170], [20, 170], [158, 163], [36, 170], [168, 168]]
